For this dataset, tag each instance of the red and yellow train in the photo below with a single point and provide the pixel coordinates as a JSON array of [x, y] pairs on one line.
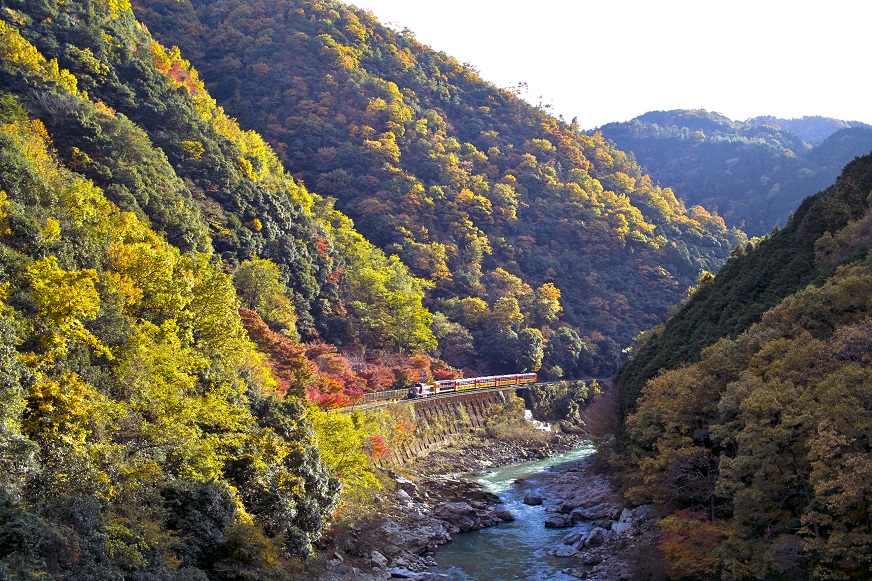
[[425, 389]]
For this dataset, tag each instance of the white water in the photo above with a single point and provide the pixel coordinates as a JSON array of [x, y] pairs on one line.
[[528, 415], [511, 551]]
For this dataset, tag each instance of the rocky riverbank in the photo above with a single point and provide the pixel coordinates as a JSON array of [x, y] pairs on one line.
[[432, 501], [606, 540], [421, 510]]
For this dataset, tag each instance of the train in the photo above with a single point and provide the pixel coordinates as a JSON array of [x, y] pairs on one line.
[[425, 389]]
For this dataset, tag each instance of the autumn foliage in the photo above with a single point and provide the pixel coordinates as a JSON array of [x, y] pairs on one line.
[[332, 379], [520, 227], [761, 448]]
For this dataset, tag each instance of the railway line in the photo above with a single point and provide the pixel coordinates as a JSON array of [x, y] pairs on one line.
[[380, 399]]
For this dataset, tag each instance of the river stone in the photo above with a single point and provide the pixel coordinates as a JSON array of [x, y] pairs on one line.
[[406, 484], [465, 517], [564, 507], [504, 515], [596, 538], [626, 516], [566, 552], [643, 513], [574, 537], [620, 528], [604, 511], [415, 535], [401, 573], [532, 499], [459, 514], [378, 559], [557, 521], [459, 490]]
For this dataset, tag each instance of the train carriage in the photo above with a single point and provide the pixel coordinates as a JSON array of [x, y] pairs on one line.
[[425, 389]]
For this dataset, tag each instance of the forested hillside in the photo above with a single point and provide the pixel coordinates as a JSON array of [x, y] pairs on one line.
[[543, 246], [142, 433], [756, 439], [752, 173], [756, 278]]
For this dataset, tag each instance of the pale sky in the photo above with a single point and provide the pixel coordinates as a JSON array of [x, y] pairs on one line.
[[612, 60]]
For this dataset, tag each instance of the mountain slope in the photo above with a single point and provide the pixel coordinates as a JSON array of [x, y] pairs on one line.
[[759, 277], [813, 129], [142, 126], [753, 173], [141, 434], [755, 438], [504, 209]]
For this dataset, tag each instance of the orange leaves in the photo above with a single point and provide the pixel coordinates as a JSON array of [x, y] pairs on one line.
[[689, 544]]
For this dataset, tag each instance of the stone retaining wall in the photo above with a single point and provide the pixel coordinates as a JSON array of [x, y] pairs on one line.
[[442, 419]]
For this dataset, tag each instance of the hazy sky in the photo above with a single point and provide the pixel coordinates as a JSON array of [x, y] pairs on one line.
[[611, 60]]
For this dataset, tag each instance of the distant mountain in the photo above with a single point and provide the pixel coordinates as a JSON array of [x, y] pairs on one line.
[[753, 173], [748, 414], [813, 129], [505, 210]]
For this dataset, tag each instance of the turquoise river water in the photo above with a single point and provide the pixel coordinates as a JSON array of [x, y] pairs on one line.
[[511, 551]]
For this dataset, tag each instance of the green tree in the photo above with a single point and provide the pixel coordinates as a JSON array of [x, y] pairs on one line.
[[259, 284]]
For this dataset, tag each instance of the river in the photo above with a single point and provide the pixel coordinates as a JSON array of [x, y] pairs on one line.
[[516, 550]]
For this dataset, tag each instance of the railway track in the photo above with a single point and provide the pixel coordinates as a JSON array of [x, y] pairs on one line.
[[381, 399]]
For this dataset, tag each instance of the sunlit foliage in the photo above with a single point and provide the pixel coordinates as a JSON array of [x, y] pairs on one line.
[[464, 182], [137, 417]]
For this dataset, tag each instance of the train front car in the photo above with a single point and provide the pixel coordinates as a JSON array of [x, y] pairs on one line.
[[420, 390]]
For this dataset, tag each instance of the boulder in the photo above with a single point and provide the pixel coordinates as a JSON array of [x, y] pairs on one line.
[[457, 490], [566, 552], [596, 537], [620, 528], [565, 507], [532, 499], [556, 520], [504, 515], [401, 573], [626, 516], [378, 560], [604, 511], [643, 513], [575, 537], [459, 514], [406, 484], [416, 535], [465, 517]]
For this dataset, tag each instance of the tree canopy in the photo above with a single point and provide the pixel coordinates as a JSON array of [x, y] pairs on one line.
[[461, 180]]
